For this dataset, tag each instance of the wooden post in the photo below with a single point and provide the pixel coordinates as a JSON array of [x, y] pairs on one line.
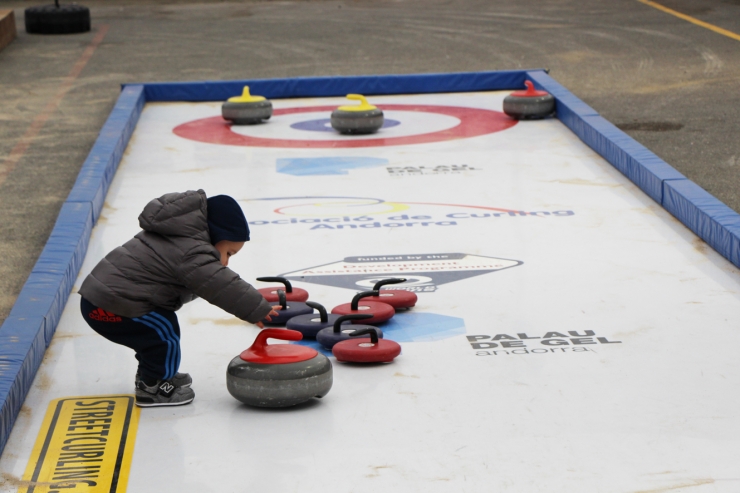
[[7, 28]]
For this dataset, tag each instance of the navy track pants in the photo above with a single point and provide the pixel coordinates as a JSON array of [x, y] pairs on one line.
[[155, 337]]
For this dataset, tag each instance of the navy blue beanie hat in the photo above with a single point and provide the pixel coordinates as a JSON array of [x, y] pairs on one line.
[[226, 220]]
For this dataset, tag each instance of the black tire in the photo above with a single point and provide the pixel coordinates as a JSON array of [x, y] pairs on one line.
[[50, 19]]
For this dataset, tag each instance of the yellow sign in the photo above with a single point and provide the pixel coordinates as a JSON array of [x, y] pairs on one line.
[[85, 445]]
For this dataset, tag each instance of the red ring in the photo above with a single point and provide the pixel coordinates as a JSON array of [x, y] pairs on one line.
[[474, 122]]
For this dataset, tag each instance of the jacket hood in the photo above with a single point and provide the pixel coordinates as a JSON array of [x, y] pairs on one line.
[[177, 214]]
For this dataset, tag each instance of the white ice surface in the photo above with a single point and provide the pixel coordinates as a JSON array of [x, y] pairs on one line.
[[658, 412]]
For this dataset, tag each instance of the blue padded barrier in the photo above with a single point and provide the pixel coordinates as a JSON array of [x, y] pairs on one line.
[[47, 289], [22, 348], [337, 86], [43, 299], [29, 328], [568, 107], [100, 166], [635, 161], [705, 215]]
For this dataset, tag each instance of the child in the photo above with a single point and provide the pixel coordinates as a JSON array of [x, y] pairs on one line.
[[182, 253]]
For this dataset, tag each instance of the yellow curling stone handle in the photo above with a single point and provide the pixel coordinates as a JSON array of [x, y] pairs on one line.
[[363, 106], [246, 97]]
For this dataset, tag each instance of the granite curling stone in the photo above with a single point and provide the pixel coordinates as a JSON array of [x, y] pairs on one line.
[[329, 336], [357, 119], [381, 312], [291, 293], [246, 109], [287, 310], [530, 104], [397, 298], [364, 350], [279, 375], [310, 324]]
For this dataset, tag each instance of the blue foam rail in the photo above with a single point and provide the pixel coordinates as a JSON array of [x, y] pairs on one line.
[[22, 348], [710, 219], [28, 330], [632, 159], [303, 87], [101, 164]]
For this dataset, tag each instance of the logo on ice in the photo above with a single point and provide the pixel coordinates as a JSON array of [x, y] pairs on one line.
[[424, 272]]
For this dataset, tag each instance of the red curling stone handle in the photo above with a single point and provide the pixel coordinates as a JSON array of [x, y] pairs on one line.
[[282, 334], [261, 352], [531, 92]]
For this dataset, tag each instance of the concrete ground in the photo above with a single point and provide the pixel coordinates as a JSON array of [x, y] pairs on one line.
[[670, 84]]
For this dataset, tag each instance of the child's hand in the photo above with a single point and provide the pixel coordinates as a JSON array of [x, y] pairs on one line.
[[273, 313]]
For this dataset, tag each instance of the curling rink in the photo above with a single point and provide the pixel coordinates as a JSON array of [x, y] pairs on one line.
[[570, 334]]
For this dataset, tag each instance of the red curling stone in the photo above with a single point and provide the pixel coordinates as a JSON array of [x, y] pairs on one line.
[[366, 350], [397, 298], [381, 312], [530, 104], [291, 293], [278, 375]]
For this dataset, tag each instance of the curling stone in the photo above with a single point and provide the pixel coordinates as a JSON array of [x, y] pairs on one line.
[[291, 293], [357, 119], [309, 325], [397, 298], [246, 109], [380, 311], [364, 350], [331, 335], [287, 310], [280, 375], [530, 104]]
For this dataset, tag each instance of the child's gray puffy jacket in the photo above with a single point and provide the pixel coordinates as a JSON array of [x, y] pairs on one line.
[[170, 263]]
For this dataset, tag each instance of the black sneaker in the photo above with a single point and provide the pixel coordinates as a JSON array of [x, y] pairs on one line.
[[179, 380], [163, 393]]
